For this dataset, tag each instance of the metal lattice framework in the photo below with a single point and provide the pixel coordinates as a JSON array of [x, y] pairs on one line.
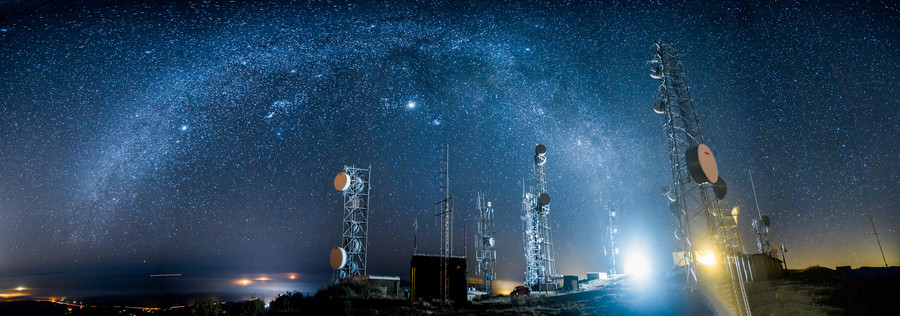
[[486, 255], [761, 224], [355, 233], [611, 249], [688, 200], [445, 213], [539, 262]]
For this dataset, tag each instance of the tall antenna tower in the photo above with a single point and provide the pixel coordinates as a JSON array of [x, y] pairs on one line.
[[350, 258], [612, 232], [445, 213], [761, 224], [486, 255], [690, 160], [539, 262]]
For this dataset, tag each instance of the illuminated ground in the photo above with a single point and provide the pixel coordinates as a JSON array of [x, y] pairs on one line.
[[653, 295]]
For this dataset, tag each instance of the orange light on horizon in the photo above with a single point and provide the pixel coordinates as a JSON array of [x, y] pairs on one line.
[[292, 276], [503, 286], [243, 282], [263, 278], [13, 294]]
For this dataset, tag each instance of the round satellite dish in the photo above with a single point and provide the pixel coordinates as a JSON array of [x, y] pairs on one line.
[[656, 73], [355, 245], [489, 203], [668, 193], [720, 189], [678, 234], [659, 107], [766, 221], [736, 210], [491, 241], [342, 182], [338, 258], [544, 199], [701, 164], [540, 149]]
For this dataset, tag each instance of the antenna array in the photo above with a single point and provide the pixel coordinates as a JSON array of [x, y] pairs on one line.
[[350, 259], [539, 262], [690, 160], [486, 255], [445, 213]]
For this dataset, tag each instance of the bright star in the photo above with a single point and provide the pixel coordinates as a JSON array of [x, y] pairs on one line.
[[411, 105], [184, 128]]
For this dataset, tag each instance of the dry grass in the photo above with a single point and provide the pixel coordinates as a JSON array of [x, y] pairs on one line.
[[785, 297]]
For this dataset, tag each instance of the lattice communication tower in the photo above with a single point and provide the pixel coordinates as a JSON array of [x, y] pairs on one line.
[[611, 249], [444, 211], [690, 160], [539, 262], [486, 255], [350, 258]]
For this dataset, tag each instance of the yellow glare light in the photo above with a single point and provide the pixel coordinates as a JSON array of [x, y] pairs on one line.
[[706, 259]]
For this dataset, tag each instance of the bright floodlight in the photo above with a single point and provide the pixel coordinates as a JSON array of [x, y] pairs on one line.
[[706, 258], [637, 264]]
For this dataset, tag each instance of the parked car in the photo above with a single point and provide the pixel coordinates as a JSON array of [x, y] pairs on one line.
[[520, 290]]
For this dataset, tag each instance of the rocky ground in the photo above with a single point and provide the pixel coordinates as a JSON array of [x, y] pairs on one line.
[[811, 291]]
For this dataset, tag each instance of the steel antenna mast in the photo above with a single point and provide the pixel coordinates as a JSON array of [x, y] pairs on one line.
[[690, 159]]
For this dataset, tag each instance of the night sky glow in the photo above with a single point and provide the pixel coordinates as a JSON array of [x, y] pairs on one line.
[[169, 138]]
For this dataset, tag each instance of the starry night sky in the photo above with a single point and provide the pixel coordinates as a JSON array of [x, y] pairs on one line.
[[190, 136]]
